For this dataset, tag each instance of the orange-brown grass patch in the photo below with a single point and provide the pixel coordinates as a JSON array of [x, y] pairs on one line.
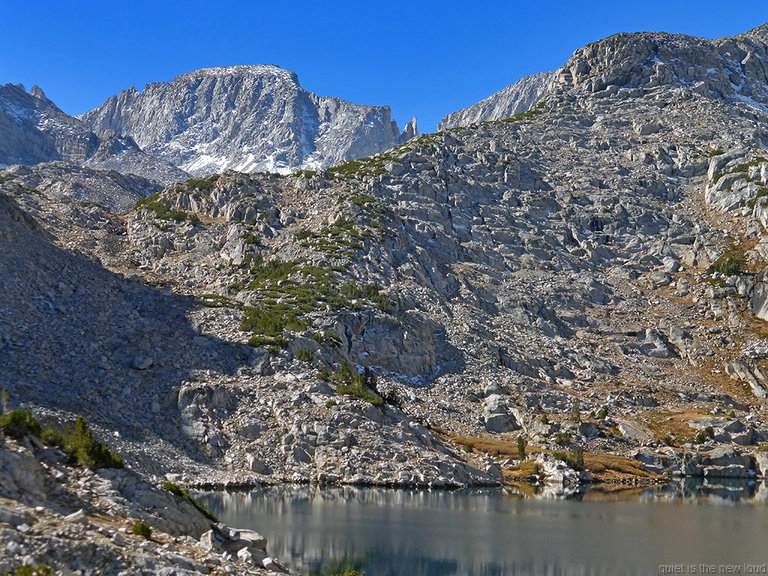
[[613, 468], [500, 448], [603, 467], [663, 424]]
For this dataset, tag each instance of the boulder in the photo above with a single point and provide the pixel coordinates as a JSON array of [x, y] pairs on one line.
[[558, 472], [496, 415]]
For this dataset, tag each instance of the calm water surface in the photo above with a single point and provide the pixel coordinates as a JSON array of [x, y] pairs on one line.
[[686, 527]]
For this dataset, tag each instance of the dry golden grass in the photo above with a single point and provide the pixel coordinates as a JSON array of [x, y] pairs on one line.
[[613, 493], [603, 467], [613, 468], [501, 448], [663, 423]]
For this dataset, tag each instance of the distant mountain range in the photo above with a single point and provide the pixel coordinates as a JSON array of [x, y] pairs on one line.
[[243, 118]]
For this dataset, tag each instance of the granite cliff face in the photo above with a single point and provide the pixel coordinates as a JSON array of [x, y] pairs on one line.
[[35, 130], [514, 99], [590, 273], [245, 118]]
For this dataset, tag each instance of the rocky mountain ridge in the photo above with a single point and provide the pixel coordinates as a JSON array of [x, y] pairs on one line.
[[246, 118], [514, 99], [35, 131]]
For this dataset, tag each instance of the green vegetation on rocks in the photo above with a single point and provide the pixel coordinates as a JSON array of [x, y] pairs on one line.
[[287, 292], [141, 528], [163, 210], [27, 570], [76, 442], [335, 239], [360, 386], [177, 490], [202, 183]]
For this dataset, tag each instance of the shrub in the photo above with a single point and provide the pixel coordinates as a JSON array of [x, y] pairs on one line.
[[359, 386], [603, 413], [141, 528], [576, 411], [177, 490], [575, 459], [18, 423], [562, 439], [521, 444], [703, 435], [161, 207], [369, 292], [731, 265], [51, 437], [79, 444], [250, 238], [202, 183], [305, 355]]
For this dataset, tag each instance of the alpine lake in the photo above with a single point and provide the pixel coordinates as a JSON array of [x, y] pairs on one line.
[[685, 527]]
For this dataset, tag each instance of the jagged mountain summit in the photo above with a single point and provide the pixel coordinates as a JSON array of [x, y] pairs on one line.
[[514, 99], [731, 68], [248, 119]]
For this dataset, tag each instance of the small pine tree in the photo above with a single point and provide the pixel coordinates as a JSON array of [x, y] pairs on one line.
[[577, 456], [576, 411], [141, 528], [521, 443]]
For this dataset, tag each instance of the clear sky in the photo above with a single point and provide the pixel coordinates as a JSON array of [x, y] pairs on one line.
[[422, 58]]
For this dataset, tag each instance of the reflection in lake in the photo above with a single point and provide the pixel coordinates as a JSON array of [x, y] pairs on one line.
[[490, 532]]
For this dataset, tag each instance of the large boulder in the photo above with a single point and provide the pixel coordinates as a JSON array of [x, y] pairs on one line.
[[496, 415]]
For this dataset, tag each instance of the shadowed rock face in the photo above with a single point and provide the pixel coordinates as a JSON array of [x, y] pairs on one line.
[[245, 118]]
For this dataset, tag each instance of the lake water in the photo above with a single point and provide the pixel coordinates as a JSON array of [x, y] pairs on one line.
[[687, 528]]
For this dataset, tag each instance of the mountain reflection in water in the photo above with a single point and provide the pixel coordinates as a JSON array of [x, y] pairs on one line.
[[492, 532]]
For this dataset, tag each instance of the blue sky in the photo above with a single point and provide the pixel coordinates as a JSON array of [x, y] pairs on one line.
[[420, 58]]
